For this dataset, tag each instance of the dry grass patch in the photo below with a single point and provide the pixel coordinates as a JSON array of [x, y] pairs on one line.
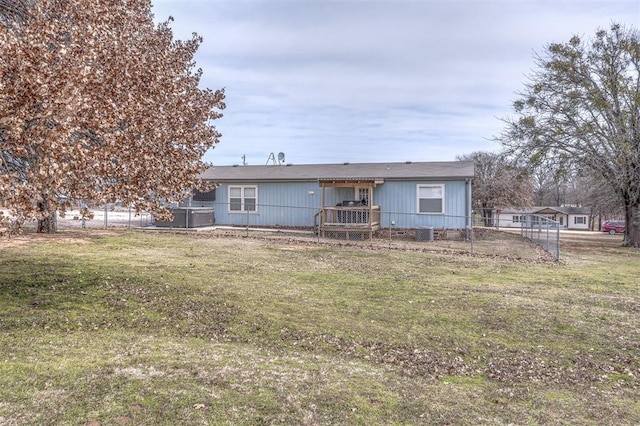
[[141, 328]]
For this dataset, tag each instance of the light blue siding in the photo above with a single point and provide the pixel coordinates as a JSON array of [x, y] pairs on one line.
[[398, 202], [294, 204], [279, 204]]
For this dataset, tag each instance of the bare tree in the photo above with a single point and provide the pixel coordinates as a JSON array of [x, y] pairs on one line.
[[556, 185], [99, 104], [549, 183], [497, 183], [581, 108]]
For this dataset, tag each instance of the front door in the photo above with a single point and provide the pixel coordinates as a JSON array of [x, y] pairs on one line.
[[362, 194]]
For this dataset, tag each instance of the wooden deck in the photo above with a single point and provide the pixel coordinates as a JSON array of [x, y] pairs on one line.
[[348, 221]]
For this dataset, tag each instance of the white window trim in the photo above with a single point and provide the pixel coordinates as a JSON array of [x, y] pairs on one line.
[[242, 198], [431, 185]]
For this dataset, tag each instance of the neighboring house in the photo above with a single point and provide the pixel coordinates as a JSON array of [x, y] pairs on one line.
[[349, 197], [567, 217]]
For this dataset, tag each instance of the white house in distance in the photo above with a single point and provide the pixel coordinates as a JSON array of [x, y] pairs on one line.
[[567, 217]]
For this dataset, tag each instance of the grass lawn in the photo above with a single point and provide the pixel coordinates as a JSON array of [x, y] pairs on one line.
[[102, 328]]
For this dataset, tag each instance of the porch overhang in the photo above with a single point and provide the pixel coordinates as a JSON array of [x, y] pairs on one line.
[[349, 182], [363, 218]]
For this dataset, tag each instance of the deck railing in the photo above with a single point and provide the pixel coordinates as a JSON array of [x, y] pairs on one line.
[[351, 216]]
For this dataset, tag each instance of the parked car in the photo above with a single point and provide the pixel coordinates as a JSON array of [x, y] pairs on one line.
[[613, 227]]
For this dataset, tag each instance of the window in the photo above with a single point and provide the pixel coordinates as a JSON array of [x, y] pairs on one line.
[[580, 220], [519, 219], [243, 198], [431, 199], [362, 194]]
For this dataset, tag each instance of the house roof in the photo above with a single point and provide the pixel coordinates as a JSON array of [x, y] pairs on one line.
[[546, 210], [565, 210], [446, 170]]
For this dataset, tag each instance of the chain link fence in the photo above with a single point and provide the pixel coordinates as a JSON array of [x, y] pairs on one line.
[[105, 216], [357, 226], [541, 230], [544, 232]]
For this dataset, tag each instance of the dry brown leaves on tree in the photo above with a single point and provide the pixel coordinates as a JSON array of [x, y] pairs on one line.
[[98, 104]]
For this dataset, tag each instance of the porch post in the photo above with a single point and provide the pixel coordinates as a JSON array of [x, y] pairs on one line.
[[370, 206], [323, 213]]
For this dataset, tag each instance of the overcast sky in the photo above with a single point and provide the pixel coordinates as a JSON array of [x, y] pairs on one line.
[[329, 81]]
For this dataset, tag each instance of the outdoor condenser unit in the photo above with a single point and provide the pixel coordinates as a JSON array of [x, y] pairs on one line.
[[424, 234]]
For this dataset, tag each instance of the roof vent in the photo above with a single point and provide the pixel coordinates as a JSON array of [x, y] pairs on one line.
[[236, 165], [407, 162], [289, 164], [346, 163]]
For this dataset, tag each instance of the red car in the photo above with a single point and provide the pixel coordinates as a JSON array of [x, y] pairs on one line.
[[613, 227]]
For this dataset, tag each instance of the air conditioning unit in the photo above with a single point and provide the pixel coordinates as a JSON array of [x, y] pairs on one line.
[[424, 233]]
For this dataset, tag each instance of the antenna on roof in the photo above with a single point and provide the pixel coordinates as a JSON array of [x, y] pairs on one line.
[[272, 159]]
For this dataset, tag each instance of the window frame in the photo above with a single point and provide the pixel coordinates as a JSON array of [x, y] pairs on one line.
[[441, 187], [243, 198], [583, 220], [518, 218]]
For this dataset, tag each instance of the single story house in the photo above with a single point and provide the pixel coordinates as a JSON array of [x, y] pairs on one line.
[[566, 217], [349, 197]]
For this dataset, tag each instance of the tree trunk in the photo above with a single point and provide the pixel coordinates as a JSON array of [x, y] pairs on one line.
[[632, 229], [49, 223], [487, 216]]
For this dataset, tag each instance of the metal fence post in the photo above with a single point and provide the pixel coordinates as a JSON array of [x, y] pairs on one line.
[[471, 233], [548, 246], [558, 245], [391, 223], [246, 212]]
